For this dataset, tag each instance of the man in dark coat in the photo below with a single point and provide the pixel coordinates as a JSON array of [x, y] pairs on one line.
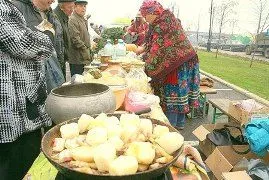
[[80, 39], [63, 11]]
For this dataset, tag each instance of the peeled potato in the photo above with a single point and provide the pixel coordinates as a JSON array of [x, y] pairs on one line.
[[170, 141], [114, 130], [71, 143], [123, 165], [129, 133], [112, 121], [65, 156], [85, 170], [146, 127], [69, 131], [160, 130], [142, 167], [129, 120], [99, 121], [58, 144], [84, 122], [81, 140], [117, 142], [143, 151], [83, 153], [103, 156], [96, 136]]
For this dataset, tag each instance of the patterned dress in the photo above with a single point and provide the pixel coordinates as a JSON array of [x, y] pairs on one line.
[[173, 65]]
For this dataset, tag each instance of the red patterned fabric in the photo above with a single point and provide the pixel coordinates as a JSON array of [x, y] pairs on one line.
[[151, 7], [140, 28], [168, 46]]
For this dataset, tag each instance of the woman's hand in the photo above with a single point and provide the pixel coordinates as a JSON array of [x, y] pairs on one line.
[[140, 50]]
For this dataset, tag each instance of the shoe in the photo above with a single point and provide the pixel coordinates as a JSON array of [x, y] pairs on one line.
[[179, 128]]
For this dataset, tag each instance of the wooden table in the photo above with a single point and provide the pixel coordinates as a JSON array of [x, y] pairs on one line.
[[223, 106]]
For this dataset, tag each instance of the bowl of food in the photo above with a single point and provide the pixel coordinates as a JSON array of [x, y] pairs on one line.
[[105, 59], [112, 146], [120, 93]]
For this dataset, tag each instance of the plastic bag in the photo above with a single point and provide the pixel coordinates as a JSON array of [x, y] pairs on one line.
[[137, 101], [53, 71], [137, 80]]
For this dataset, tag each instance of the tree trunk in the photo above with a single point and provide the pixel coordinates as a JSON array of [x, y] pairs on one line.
[[220, 28], [210, 28]]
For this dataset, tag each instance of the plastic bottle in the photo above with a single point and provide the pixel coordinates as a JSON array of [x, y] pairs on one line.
[[108, 49], [120, 48]]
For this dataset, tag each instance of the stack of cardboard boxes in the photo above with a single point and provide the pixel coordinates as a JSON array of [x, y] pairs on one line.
[[222, 160]]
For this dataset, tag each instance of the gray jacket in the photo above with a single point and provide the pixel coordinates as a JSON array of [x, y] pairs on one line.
[[80, 40], [22, 78]]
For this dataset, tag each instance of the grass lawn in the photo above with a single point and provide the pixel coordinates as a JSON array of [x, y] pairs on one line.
[[236, 70]]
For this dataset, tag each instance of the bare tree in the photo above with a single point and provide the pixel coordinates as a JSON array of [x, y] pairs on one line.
[[225, 10], [212, 12], [233, 24], [262, 13]]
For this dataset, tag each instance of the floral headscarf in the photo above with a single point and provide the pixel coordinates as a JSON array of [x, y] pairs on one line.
[[151, 7]]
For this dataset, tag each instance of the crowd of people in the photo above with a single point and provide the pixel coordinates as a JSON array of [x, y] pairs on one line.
[[36, 41]]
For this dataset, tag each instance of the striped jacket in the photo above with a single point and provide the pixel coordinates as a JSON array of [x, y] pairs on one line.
[[22, 78]]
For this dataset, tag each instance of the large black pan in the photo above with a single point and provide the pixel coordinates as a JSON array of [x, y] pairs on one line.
[[53, 133]]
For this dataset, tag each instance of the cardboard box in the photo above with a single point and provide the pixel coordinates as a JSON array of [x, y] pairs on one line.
[[205, 145], [241, 115], [224, 158], [237, 175]]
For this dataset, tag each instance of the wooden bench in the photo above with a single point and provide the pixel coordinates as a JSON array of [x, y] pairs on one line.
[[204, 90], [222, 105]]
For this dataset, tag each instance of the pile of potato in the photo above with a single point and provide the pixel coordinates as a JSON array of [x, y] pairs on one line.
[[108, 145]]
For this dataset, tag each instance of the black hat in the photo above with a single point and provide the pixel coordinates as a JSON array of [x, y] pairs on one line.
[[63, 1], [81, 2]]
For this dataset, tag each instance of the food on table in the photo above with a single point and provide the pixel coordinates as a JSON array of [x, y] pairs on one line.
[[146, 127], [71, 143], [160, 130], [96, 136], [83, 153], [115, 146], [58, 144], [143, 151], [103, 156], [84, 122], [69, 131], [123, 165], [170, 141]]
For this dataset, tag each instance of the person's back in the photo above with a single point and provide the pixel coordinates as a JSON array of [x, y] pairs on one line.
[[23, 92]]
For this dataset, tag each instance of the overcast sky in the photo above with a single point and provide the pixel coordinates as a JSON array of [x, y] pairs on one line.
[[105, 11]]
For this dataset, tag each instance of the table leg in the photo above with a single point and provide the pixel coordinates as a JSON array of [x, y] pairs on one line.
[[204, 105], [214, 115]]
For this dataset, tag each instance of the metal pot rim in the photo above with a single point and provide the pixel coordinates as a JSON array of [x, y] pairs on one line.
[[69, 85]]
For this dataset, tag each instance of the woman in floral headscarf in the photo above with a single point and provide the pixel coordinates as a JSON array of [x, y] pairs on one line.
[[171, 62]]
